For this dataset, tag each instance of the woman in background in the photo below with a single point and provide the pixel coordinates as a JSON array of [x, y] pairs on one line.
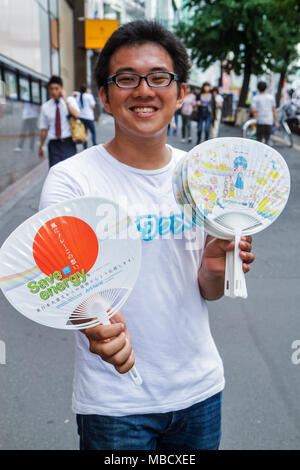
[[216, 112], [189, 103], [204, 102]]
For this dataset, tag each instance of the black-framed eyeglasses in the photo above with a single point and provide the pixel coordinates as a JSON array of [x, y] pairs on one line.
[[133, 80]]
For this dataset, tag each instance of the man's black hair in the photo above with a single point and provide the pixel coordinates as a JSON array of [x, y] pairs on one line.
[[142, 32], [261, 86], [55, 80]]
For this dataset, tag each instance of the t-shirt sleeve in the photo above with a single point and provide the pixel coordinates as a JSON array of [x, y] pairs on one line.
[[73, 102], [92, 100], [59, 186], [273, 101], [43, 122]]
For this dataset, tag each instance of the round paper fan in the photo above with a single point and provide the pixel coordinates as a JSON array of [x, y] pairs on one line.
[[240, 186], [198, 214], [72, 265], [179, 194], [235, 175]]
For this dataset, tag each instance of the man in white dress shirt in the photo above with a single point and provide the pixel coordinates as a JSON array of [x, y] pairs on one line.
[[54, 123]]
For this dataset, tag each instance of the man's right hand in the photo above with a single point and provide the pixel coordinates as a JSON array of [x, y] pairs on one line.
[[112, 343], [41, 152]]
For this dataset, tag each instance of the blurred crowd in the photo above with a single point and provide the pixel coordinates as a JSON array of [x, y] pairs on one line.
[[202, 109], [202, 105]]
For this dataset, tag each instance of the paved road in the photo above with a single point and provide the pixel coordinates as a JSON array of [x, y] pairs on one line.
[[254, 336]]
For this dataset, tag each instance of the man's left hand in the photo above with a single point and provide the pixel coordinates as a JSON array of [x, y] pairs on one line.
[[214, 257], [211, 275]]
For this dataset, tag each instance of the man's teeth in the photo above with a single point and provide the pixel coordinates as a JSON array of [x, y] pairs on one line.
[[143, 110]]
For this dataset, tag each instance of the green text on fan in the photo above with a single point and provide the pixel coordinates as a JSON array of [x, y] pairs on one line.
[[74, 279]]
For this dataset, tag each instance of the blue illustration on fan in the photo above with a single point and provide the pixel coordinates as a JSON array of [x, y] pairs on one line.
[[219, 204], [240, 164], [66, 270]]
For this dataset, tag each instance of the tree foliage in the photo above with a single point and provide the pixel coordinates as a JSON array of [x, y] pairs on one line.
[[251, 36]]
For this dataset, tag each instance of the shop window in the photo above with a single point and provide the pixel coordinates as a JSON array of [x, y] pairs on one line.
[[24, 88], [55, 62], [53, 8], [44, 94], [11, 87], [35, 92]]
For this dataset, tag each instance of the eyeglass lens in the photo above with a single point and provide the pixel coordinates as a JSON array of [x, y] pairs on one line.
[[155, 79]]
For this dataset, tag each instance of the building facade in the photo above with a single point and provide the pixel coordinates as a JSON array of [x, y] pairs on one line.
[[36, 41], [40, 38]]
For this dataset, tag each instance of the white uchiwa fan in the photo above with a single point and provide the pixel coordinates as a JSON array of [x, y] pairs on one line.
[[184, 198], [72, 265], [234, 187], [241, 187]]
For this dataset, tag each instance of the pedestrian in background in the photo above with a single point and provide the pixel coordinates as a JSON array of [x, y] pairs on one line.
[[264, 110], [189, 103], [217, 104], [172, 124], [54, 123], [204, 103], [87, 104], [176, 118], [29, 125]]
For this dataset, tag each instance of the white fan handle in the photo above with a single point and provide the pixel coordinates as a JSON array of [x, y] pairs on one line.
[[133, 372], [239, 281], [229, 274]]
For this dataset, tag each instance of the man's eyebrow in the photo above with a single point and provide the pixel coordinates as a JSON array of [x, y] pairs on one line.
[[161, 68]]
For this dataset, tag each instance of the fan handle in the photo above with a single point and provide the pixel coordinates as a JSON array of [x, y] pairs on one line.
[[133, 372], [235, 282], [239, 281]]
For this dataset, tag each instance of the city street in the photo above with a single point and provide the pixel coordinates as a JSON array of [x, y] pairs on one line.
[[254, 336]]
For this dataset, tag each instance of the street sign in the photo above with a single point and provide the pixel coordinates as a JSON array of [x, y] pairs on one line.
[[97, 32]]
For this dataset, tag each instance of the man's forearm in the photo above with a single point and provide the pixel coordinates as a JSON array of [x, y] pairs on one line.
[[43, 136], [73, 111], [211, 285]]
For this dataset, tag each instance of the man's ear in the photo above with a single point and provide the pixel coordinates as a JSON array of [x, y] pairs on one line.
[[181, 95], [104, 96]]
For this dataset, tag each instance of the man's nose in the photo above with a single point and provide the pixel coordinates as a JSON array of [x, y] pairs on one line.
[[143, 88]]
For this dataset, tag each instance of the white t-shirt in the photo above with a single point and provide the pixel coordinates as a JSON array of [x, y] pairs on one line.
[[86, 111], [188, 104], [48, 116], [264, 103], [165, 314]]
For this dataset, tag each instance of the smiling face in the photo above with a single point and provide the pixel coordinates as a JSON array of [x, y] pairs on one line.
[[143, 111]]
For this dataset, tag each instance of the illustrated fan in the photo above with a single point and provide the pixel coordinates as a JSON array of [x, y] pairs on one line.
[[234, 187]]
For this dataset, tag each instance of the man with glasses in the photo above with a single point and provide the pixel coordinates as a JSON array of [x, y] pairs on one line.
[[141, 74]]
